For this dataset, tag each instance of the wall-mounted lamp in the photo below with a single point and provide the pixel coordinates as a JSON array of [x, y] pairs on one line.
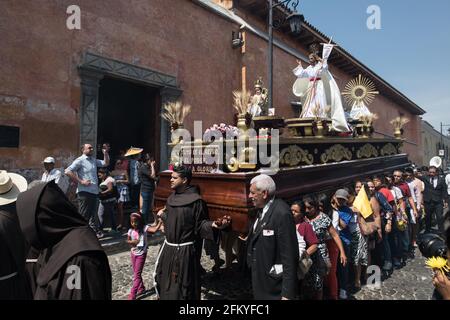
[[237, 39], [295, 22]]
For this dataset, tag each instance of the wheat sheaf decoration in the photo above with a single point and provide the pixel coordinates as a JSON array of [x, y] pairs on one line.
[[175, 112], [241, 100], [360, 91], [369, 119], [399, 122]]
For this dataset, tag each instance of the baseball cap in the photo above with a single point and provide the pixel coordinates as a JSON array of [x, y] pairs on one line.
[[49, 160], [342, 193]]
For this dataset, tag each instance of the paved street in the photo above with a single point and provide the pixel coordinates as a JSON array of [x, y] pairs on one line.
[[227, 284], [413, 282]]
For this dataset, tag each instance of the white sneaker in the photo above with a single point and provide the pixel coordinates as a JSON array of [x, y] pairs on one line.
[[343, 294]]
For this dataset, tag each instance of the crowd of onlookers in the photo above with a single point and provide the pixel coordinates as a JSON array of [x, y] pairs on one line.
[[337, 242], [342, 243], [105, 188], [332, 237]]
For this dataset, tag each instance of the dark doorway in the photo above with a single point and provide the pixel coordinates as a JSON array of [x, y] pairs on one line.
[[128, 115]]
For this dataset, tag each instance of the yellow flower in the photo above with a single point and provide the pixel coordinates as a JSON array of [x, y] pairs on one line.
[[438, 263]]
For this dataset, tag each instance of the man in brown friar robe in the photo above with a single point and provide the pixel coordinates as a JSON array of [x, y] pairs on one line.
[[13, 280], [185, 218], [71, 265]]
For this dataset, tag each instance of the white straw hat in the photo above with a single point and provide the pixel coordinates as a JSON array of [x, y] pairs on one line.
[[11, 184]]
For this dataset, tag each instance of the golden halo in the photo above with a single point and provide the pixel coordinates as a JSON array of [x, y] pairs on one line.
[[360, 90]]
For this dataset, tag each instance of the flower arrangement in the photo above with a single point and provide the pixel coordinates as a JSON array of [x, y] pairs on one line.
[[227, 131], [175, 113]]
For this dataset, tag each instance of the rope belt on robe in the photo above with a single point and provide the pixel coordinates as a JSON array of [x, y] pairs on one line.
[[159, 255]]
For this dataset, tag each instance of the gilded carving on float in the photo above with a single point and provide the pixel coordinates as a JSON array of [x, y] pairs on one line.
[[336, 153], [388, 150], [294, 155], [248, 158], [233, 164], [367, 151]]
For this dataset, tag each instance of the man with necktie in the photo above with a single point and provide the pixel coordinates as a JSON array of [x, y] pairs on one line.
[[272, 251], [435, 198]]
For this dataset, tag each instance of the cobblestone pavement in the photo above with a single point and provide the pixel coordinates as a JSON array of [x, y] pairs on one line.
[[412, 282], [227, 284]]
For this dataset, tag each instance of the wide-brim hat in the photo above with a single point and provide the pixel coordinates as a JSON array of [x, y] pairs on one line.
[[11, 185], [133, 151]]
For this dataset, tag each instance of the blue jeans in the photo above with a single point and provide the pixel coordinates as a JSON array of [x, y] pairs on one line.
[[147, 206], [399, 241], [387, 257], [343, 271]]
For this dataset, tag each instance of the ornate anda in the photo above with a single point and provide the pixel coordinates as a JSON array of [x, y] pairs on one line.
[[244, 160], [388, 150], [233, 164], [294, 155], [336, 153], [367, 151]]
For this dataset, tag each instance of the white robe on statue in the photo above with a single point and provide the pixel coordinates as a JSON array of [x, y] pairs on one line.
[[359, 110], [322, 91], [316, 98]]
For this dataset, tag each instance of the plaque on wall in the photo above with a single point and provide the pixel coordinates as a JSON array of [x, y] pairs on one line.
[[9, 137]]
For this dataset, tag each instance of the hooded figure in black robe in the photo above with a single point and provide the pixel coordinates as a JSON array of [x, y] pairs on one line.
[[177, 270], [71, 265], [13, 280]]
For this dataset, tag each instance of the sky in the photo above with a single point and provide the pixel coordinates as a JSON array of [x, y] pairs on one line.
[[411, 51]]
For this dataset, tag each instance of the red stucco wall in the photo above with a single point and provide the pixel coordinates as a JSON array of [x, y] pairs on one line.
[[40, 85]]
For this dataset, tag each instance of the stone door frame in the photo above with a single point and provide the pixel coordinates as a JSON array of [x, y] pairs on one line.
[[94, 68]]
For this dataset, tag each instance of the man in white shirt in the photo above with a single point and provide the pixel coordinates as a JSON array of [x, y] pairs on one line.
[[50, 172]]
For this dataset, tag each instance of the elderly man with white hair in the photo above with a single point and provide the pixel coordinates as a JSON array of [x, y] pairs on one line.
[[272, 251]]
